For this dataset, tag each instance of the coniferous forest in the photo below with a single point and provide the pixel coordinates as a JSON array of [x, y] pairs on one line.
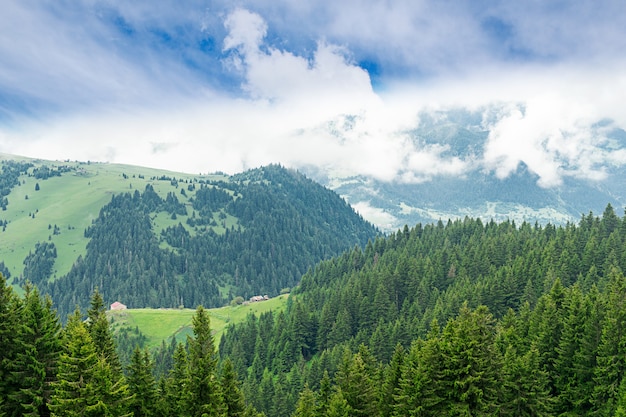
[[272, 225], [449, 319]]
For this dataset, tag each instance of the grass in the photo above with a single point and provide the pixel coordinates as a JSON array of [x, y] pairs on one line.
[[161, 324], [72, 201]]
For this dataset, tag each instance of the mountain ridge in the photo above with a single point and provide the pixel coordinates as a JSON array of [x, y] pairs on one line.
[[156, 240]]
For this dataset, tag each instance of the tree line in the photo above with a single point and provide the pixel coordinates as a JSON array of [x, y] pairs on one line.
[[50, 370], [463, 318], [283, 223], [446, 319]]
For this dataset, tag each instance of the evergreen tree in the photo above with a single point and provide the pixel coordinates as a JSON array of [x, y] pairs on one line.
[[323, 395], [98, 326], [525, 390], [357, 384], [471, 363], [422, 391], [204, 394], [173, 401], [306, 404], [391, 382], [575, 362], [338, 406], [84, 385], [38, 348], [611, 358], [141, 384], [9, 324], [620, 410], [233, 396]]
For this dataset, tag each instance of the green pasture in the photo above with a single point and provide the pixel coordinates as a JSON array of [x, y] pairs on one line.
[[161, 324], [71, 202]]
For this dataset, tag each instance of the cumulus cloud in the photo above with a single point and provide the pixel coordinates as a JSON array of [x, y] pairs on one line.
[[328, 80], [132, 83], [555, 131]]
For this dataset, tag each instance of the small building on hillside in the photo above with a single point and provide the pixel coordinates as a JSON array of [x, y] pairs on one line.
[[118, 306]]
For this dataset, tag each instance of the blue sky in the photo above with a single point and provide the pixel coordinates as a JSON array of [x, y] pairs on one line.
[[201, 86]]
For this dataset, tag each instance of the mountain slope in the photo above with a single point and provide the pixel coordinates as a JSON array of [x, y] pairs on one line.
[[408, 287], [182, 240]]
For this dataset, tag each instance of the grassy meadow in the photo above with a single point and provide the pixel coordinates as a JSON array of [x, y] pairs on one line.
[[161, 324], [71, 202]]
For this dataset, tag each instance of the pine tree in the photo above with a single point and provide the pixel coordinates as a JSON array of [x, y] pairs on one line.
[[100, 332], [525, 385], [620, 410], [173, 401], [141, 384], [38, 348], [356, 380], [204, 395], [9, 324], [306, 404], [548, 325], [611, 358], [233, 396], [422, 391], [323, 395], [84, 385], [471, 363], [338, 406], [391, 382], [576, 355]]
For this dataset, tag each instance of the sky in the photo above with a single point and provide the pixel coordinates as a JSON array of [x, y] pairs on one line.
[[215, 85]]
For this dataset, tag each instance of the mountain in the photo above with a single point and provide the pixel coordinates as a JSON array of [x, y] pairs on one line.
[[462, 135], [151, 238]]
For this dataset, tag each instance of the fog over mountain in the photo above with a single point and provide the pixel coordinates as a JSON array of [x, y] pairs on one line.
[[385, 102]]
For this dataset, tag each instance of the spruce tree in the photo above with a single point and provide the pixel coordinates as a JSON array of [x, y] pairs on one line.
[[84, 385], [471, 363], [306, 404], [391, 382], [356, 380], [524, 385], [98, 326], [611, 358], [233, 397], [323, 395], [620, 410], [9, 319], [173, 399], [141, 384], [38, 347], [204, 394], [576, 355], [338, 406]]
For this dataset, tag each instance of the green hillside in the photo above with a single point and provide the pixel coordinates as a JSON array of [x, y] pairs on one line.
[[70, 201], [161, 239], [161, 324], [456, 318]]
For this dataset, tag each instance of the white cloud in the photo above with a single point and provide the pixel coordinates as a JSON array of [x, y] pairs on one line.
[[246, 30], [311, 107], [378, 216], [327, 83]]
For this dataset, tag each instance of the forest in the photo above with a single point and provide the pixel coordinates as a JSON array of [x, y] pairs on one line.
[[462, 318], [257, 233]]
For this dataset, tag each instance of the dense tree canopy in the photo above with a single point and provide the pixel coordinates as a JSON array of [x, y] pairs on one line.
[[463, 318], [275, 224]]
